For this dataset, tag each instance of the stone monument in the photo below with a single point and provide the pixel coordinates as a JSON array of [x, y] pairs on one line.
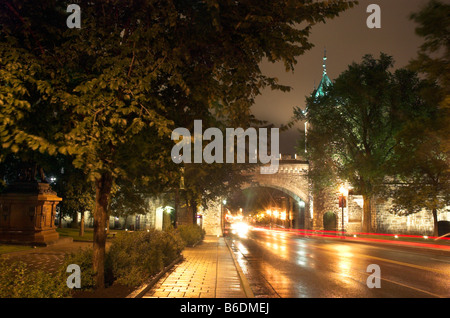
[[28, 210]]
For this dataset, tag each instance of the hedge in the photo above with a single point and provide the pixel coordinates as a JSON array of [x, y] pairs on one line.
[[132, 259], [191, 234]]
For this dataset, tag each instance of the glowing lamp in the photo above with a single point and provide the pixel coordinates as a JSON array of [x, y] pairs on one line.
[[343, 191]]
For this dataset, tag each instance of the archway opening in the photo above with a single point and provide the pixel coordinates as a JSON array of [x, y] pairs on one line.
[[330, 221], [269, 206]]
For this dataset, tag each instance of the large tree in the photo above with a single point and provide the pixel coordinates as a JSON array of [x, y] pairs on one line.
[[109, 94], [421, 171], [422, 161], [354, 123], [433, 60]]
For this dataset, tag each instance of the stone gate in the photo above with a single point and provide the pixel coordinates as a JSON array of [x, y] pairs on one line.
[[292, 179]]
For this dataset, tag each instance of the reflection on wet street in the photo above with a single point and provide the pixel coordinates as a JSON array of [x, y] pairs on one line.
[[283, 264]]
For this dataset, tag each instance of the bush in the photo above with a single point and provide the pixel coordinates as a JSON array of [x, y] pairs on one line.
[[82, 258], [132, 259], [191, 233], [17, 281], [135, 257]]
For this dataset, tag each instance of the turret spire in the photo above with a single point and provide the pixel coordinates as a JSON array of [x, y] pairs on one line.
[[325, 82]]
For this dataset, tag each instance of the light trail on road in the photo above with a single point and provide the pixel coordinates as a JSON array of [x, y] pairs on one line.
[[284, 264]]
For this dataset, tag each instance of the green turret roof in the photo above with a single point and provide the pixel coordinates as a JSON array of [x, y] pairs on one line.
[[325, 82]]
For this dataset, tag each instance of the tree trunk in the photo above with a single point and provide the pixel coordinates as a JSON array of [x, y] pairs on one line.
[[60, 219], [74, 223], [102, 192], [82, 224], [108, 217], [367, 214], [194, 212], [177, 206], [435, 223]]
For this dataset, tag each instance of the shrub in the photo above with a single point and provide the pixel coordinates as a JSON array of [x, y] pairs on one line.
[[191, 233], [18, 281], [82, 258], [137, 256]]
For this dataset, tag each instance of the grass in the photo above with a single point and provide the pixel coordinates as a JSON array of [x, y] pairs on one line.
[[13, 248], [75, 233]]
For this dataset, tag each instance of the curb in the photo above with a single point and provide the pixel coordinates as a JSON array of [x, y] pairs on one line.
[[143, 289], [244, 282]]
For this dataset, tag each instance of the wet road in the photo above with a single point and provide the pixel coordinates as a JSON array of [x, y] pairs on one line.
[[282, 264]]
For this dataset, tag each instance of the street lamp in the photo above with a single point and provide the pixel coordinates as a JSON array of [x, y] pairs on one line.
[[342, 203]]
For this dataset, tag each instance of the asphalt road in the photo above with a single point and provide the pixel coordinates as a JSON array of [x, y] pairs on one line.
[[285, 265]]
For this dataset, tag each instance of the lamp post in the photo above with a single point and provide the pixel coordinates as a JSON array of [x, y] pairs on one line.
[[342, 203]]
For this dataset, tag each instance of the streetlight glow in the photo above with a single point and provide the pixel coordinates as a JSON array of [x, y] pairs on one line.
[[343, 190]]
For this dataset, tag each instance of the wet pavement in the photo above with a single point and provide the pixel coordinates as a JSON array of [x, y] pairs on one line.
[[208, 271], [281, 264]]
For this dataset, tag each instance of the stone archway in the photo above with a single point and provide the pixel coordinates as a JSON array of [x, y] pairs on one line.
[[296, 206], [291, 178]]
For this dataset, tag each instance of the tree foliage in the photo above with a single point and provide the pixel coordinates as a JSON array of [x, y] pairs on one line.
[[353, 126], [433, 60], [422, 171], [422, 161], [110, 93], [71, 185], [129, 199]]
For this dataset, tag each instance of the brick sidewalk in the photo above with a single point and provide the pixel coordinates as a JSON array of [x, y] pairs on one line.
[[208, 271]]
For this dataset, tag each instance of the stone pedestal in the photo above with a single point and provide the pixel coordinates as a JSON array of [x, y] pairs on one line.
[[27, 214]]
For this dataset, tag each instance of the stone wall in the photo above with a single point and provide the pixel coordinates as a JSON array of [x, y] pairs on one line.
[[382, 220], [211, 218], [328, 201], [420, 223], [323, 202]]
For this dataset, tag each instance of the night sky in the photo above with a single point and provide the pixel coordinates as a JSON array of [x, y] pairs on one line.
[[346, 39]]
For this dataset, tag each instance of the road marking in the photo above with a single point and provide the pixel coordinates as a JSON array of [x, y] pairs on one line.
[[407, 264], [407, 286]]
